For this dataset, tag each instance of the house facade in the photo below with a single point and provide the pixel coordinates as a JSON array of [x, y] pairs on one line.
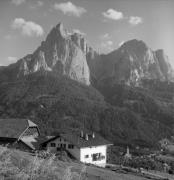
[[19, 133], [86, 147]]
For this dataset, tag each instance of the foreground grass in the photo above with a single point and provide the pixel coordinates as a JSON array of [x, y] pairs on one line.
[[18, 165], [14, 166]]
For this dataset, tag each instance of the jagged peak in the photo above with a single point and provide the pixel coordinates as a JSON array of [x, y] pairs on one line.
[[59, 25], [60, 28], [160, 51], [135, 43]]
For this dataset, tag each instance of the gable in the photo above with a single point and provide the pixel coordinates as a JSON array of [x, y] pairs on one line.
[[31, 124], [30, 131]]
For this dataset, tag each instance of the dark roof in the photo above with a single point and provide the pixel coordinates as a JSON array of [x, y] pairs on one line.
[[34, 145], [44, 143], [76, 140], [13, 128]]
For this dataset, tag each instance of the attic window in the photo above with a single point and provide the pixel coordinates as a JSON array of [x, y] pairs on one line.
[[70, 146]]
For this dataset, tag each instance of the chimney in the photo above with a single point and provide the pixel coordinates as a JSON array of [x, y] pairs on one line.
[[86, 137], [81, 134], [93, 135]]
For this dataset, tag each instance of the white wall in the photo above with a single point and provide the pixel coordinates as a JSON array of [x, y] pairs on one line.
[[93, 150], [79, 154], [75, 151]]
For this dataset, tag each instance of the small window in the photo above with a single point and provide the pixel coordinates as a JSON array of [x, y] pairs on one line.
[[70, 146], [63, 145], [53, 144], [87, 156]]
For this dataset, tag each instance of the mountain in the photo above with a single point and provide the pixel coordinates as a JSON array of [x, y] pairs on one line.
[[61, 53], [126, 95], [131, 63]]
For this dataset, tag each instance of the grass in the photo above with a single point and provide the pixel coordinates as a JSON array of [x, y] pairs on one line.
[[18, 165], [13, 166]]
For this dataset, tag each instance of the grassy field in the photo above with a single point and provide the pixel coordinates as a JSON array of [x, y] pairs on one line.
[[17, 165]]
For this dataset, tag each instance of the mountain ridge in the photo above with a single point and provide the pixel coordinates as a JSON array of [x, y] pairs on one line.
[[133, 62], [125, 95], [69, 54]]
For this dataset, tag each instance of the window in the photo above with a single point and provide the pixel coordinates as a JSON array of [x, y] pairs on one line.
[[58, 148], [97, 157], [87, 156], [63, 145], [70, 146], [53, 144]]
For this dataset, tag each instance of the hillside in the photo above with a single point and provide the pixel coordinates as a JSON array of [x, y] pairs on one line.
[[70, 105], [126, 95]]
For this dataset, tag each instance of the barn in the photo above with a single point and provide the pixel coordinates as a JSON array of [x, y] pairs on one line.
[[19, 133]]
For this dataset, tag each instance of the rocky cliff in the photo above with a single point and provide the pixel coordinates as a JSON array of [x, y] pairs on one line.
[[64, 53], [131, 63], [61, 53]]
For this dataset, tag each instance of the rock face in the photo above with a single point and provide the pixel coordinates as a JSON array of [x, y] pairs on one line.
[[164, 64], [131, 63], [68, 54], [61, 53]]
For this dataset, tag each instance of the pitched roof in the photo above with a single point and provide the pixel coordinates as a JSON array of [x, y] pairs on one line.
[[13, 128], [35, 143], [80, 142]]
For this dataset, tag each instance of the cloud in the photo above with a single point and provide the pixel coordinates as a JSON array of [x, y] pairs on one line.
[[37, 4], [113, 14], [105, 36], [135, 20], [107, 44], [79, 32], [40, 3], [69, 8], [12, 59], [28, 28], [18, 2]]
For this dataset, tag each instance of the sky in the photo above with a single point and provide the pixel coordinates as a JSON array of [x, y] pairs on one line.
[[106, 24]]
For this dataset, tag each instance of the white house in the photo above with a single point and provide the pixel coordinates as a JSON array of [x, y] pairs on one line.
[[87, 148]]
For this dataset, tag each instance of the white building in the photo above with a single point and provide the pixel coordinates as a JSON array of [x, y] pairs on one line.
[[87, 148]]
